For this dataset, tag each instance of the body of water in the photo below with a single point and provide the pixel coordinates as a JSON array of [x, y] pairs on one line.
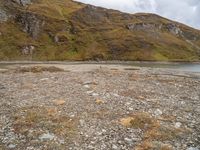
[[190, 67]]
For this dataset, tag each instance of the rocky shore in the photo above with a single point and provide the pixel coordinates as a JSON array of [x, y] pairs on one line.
[[98, 107]]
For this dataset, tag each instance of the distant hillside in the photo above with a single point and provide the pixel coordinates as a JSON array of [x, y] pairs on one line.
[[67, 30]]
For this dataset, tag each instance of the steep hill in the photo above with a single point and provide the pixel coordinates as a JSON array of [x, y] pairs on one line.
[[68, 30]]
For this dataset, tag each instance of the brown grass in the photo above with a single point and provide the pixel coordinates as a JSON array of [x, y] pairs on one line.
[[41, 119], [38, 69], [153, 131]]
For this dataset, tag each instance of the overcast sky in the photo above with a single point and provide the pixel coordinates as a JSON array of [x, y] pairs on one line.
[[185, 11]]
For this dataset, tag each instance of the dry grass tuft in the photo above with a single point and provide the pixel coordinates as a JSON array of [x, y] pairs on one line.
[[154, 133], [147, 145], [38, 69], [41, 119], [143, 121]]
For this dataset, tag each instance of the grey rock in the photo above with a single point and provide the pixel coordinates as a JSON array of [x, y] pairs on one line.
[[114, 147], [28, 50], [174, 29], [128, 140], [11, 146], [47, 137], [31, 23], [3, 16], [82, 122], [192, 148], [158, 112], [178, 125], [23, 2]]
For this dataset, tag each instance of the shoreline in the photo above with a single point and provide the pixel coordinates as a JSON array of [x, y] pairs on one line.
[[120, 65], [89, 106], [98, 62]]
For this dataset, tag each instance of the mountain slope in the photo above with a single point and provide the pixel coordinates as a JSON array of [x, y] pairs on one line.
[[67, 30]]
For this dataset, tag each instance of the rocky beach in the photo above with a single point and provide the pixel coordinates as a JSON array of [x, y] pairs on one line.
[[98, 107]]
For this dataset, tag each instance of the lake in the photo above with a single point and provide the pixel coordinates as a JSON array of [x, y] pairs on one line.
[[190, 67]]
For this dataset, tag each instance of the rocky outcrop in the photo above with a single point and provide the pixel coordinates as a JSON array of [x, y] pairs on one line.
[[144, 26], [22, 2], [169, 27], [28, 50], [3, 16], [173, 28], [31, 24], [61, 39]]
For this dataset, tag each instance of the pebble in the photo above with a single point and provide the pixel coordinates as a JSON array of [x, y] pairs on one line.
[[44, 79], [178, 125], [114, 147], [130, 108], [89, 92], [82, 122], [47, 137], [11, 146], [95, 94], [158, 112], [128, 140], [192, 148], [86, 86]]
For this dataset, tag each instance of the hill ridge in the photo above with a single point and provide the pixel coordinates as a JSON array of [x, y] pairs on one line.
[[68, 30]]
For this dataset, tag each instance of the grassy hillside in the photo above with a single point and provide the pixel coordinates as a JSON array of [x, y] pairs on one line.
[[67, 30]]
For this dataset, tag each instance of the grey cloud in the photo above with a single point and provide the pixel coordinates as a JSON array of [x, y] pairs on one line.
[[185, 11]]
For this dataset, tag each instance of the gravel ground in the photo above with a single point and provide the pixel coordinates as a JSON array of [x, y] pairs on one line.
[[99, 107]]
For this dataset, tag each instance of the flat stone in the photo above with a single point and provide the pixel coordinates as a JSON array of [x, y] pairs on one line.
[[86, 86], [158, 112], [128, 140], [178, 125], [59, 102], [11, 146], [114, 147], [192, 148], [47, 137]]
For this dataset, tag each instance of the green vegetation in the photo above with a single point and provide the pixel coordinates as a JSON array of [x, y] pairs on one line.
[[73, 31]]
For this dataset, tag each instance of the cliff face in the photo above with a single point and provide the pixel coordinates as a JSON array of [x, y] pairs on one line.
[[67, 30]]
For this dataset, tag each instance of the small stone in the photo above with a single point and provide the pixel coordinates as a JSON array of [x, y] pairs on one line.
[[86, 86], [90, 92], [47, 137], [130, 108], [127, 104], [116, 95], [82, 122], [89, 82], [61, 141], [59, 102], [44, 79], [95, 94], [128, 140], [11, 146], [114, 146], [141, 97], [158, 112], [178, 125], [72, 116]]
